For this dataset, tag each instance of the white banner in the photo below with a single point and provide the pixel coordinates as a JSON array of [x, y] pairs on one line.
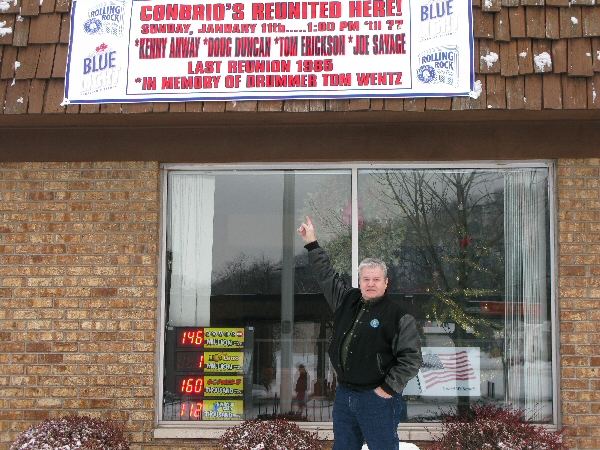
[[150, 50]]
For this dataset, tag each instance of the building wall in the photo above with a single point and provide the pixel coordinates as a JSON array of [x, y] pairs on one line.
[[78, 293], [78, 285], [579, 299]]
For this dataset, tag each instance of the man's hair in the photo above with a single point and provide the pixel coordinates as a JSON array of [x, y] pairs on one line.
[[372, 263]]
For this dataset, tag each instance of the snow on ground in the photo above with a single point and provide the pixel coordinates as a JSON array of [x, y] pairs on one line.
[[403, 446]]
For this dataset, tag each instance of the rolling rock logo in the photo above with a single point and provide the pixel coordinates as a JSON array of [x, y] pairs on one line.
[[439, 66], [100, 70], [105, 18]]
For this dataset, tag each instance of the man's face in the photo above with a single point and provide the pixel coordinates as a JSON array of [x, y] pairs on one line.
[[372, 283]]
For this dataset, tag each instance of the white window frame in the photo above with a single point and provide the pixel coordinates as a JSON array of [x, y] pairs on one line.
[[406, 431]]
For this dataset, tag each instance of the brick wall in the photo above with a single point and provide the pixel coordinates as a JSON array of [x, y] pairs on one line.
[[579, 293], [78, 293], [78, 276]]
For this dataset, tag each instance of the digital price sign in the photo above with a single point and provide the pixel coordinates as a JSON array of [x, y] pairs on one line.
[[221, 362], [205, 372], [210, 338]]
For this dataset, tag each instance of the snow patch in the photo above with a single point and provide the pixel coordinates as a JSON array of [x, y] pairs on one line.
[[4, 6], [523, 54], [20, 18], [20, 100], [490, 59], [476, 92], [542, 60], [588, 54], [593, 95], [598, 55], [17, 65], [574, 20], [402, 446], [488, 4], [7, 30]]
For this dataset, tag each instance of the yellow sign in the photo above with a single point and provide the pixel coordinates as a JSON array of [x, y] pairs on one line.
[[220, 386], [223, 338], [223, 410], [224, 362]]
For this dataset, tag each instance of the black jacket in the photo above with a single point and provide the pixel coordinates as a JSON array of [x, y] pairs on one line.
[[385, 349]]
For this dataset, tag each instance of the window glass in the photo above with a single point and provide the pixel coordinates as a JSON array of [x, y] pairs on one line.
[[469, 258], [247, 327]]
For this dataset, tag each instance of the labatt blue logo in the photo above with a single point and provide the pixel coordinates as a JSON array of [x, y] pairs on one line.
[[100, 70], [438, 18], [439, 65], [105, 18]]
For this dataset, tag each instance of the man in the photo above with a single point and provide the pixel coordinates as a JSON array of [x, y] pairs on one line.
[[375, 350], [302, 387]]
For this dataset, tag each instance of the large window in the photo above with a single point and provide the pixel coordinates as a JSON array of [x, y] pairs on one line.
[[245, 328]]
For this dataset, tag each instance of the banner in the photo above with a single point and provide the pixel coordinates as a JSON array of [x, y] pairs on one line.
[[151, 50]]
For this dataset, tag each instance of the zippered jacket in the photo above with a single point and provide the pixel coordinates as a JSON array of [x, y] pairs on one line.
[[385, 349]]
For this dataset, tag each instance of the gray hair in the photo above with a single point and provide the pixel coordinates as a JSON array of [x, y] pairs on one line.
[[372, 263]]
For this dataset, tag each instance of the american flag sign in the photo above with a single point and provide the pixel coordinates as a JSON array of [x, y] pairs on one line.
[[450, 370]]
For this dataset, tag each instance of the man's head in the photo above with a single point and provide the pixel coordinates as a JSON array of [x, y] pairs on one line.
[[372, 278]]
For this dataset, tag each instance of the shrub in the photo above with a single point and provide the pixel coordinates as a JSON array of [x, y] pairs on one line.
[[492, 428], [72, 433], [269, 435]]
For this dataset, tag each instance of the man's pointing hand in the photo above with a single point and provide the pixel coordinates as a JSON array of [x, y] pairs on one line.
[[307, 231]]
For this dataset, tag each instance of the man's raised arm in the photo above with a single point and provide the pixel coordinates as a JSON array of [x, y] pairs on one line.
[[331, 283]]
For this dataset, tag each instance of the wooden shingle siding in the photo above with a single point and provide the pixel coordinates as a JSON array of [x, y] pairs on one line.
[[31, 8], [580, 58], [518, 31]]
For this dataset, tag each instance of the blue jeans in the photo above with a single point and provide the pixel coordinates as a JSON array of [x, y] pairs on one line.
[[365, 416]]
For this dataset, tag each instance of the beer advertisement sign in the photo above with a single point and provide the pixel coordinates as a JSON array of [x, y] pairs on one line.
[[152, 50]]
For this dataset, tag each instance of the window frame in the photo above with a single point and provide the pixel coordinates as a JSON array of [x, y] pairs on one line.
[[407, 431]]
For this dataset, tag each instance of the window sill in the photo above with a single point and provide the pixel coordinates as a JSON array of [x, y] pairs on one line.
[[177, 430]]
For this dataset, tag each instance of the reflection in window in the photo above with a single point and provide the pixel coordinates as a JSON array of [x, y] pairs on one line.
[[238, 266], [247, 327], [472, 264]]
